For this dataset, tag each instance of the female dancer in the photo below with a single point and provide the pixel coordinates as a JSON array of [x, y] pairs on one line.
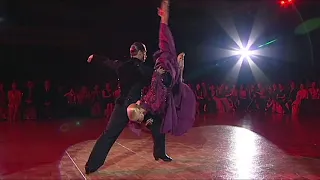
[[168, 96]]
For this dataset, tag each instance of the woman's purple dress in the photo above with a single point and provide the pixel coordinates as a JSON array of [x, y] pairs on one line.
[[178, 108]]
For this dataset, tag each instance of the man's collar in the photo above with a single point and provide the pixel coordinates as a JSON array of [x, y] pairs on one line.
[[136, 59]]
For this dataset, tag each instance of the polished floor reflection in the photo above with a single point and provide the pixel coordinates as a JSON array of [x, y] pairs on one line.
[[228, 146]]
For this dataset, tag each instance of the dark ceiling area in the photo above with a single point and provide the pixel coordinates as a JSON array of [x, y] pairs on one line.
[[67, 20], [66, 31]]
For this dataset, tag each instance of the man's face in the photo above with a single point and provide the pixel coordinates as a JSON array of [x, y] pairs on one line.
[[143, 55]]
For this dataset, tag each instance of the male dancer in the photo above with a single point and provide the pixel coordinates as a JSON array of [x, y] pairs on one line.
[[133, 76]]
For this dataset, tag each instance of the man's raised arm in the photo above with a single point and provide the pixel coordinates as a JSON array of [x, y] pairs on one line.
[[113, 64]]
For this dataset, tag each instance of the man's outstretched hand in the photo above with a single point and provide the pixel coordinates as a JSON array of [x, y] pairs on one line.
[[163, 11], [90, 58]]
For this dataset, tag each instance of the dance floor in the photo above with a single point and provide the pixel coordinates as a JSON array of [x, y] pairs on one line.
[[255, 146]]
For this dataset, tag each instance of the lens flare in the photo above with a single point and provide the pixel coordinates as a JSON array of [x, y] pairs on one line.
[[245, 53]]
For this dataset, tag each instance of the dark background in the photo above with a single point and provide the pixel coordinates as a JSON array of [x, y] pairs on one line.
[[52, 39]]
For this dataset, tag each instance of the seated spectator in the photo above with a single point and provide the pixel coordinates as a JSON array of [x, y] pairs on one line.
[[301, 95]]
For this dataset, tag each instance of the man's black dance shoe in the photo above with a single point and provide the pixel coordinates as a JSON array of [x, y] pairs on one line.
[[89, 171], [164, 158]]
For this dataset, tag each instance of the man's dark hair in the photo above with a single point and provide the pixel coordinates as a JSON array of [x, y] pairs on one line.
[[136, 47]]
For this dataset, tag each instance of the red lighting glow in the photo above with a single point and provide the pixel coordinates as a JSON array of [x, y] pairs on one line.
[[286, 3]]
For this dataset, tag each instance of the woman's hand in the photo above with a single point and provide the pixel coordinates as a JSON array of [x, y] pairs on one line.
[[160, 70], [181, 56], [163, 11], [149, 122], [180, 59]]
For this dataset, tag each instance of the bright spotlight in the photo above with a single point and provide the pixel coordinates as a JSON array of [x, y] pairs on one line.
[[245, 52]]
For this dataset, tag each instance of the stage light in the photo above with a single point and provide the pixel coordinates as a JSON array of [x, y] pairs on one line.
[[245, 53], [286, 3], [290, 2], [283, 3]]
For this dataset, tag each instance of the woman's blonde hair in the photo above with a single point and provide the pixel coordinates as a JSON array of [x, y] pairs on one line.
[[132, 112]]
